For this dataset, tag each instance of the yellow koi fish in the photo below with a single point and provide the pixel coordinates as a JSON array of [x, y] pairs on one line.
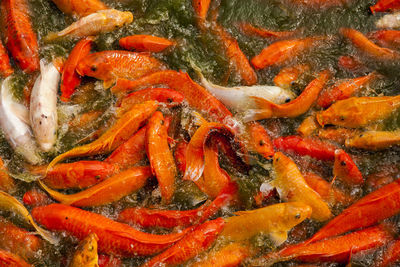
[[86, 253]]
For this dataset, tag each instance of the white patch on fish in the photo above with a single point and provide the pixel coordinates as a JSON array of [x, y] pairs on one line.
[[43, 107], [240, 98], [17, 132], [389, 21]]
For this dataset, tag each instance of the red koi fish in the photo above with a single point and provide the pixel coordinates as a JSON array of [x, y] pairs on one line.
[[160, 156], [390, 256], [235, 56], [388, 38], [180, 155], [337, 249], [251, 30], [70, 78], [344, 90], [175, 218], [197, 96], [189, 246], [371, 209], [36, 198], [20, 38], [385, 5], [145, 43], [351, 64], [111, 65], [370, 49], [281, 52], [5, 67], [10, 259], [114, 238]]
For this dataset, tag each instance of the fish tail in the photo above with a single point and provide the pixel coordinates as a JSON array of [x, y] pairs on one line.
[[198, 119]]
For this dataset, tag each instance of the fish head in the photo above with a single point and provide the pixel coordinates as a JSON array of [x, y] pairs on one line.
[[281, 162], [117, 18], [342, 113], [295, 213], [94, 65], [86, 254], [345, 169]]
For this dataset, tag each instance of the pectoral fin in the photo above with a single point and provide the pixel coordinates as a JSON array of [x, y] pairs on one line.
[[278, 237]]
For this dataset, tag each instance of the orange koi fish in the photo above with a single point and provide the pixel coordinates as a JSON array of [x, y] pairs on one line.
[[235, 56], [79, 8], [356, 112], [201, 9], [5, 67], [145, 43], [123, 128], [351, 64], [388, 38], [374, 140], [336, 249], [160, 156], [251, 30], [385, 5], [337, 135], [259, 140], [6, 182], [370, 49], [35, 198], [108, 191], [164, 95], [308, 127], [199, 240], [197, 96], [344, 90], [114, 238], [390, 256], [371, 209], [288, 75], [10, 259], [80, 174], [294, 108], [291, 186], [20, 38], [111, 65], [69, 78], [281, 52]]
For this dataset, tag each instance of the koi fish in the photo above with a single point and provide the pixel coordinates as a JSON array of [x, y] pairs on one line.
[[20, 38], [145, 43], [389, 21], [259, 140], [351, 64], [385, 5], [163, 95], [86, 253], [123, 128], [14, 120], [388, 38], [235, 56], [10, 259], [18, 240], [199, 240], [327, 191], [109, 261], [288, 75], [338, 135], [176, 218], [242, 97], [230, 255], [43, 106], [251, 30], [160, 156], [9, 203], [356, 112], [374, 140], [6, 182], [80, 174], [344, 90], [111, 65], [196, 96], [369, 48], [291, 186], [292, 109], [35, 198], [337, 249], [5, 66], [367, 211], [94, 24], [201, 8], [108, 191], [308, 126], [78, 8], [114, 238], [275, 220], [281, 52], [70, 78]]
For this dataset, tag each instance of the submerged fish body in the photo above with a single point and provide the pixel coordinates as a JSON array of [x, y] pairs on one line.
[[43, 106], [241, 97], [100, 22], [14, 123]]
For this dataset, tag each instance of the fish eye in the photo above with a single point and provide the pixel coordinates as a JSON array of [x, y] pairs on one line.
[[343, 163], [297, 216], [93, 68]]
